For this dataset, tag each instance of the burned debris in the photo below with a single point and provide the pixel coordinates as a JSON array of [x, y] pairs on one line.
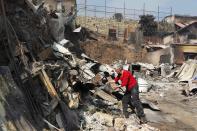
[[49, 81], [39, 58]]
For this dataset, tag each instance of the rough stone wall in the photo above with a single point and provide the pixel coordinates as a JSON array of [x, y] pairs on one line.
[[103, 24]]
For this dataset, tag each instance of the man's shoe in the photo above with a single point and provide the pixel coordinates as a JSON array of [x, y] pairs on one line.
[[143, 120]]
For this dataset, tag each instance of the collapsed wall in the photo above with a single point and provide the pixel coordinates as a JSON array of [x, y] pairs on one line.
[[160, 56]]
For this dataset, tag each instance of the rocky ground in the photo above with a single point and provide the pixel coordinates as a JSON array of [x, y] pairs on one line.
[[177, 112]]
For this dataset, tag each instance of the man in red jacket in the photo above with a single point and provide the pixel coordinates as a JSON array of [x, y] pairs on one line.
[[132, 94]]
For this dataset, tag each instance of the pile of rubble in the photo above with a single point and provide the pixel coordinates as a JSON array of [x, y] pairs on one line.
[[56, 79], [45, 74]]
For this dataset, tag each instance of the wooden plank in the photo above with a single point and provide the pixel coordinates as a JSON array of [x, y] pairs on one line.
[[45, 79], [102, 94]]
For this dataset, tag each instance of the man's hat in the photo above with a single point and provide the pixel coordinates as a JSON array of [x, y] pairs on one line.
[[118, 66]]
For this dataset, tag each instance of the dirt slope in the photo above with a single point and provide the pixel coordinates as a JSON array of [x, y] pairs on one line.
[[108, 51]]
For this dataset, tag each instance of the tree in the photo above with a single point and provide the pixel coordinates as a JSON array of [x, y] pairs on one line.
[[148, 25], [118, 17]]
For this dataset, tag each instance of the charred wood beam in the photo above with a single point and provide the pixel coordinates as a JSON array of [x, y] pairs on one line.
[[46, 81], [69, 124]]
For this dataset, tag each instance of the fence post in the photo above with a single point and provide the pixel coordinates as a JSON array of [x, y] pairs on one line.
[[95, 11], [105, 8]]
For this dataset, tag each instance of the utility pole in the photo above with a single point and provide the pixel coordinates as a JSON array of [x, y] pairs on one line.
[[144, 6], [171, 11], [85, 11], [124, 9], [158, 14], [158, 19]]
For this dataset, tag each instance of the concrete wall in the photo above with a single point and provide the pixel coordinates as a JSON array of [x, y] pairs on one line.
[[193, 41], [170, 20], [183, 38], [168, 40], [155, 57]]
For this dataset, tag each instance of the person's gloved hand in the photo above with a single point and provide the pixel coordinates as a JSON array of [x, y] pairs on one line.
[[119, 75], [117, 88]]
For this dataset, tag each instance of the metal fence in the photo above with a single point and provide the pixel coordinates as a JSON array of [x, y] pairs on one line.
[[131, 14], [106, 13]]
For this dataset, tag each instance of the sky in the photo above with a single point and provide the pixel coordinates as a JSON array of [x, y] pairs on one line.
[[184, 7]]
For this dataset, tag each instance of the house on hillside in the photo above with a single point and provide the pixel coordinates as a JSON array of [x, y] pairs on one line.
[[187, 34], [172, 19], [173, 54]]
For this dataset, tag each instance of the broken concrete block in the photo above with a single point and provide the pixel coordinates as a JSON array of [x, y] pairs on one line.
[[143, 85], [111, 129], [119, 124], [74, 100], [102, 94], [73, 72], [153, 116], [104, 119]]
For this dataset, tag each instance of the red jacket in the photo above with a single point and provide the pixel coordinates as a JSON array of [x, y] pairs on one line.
[[127, 80]]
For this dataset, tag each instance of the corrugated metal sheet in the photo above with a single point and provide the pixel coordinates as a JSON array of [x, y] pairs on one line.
[[187, 71]]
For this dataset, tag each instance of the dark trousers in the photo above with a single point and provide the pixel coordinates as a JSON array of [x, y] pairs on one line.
[[132, 98]]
